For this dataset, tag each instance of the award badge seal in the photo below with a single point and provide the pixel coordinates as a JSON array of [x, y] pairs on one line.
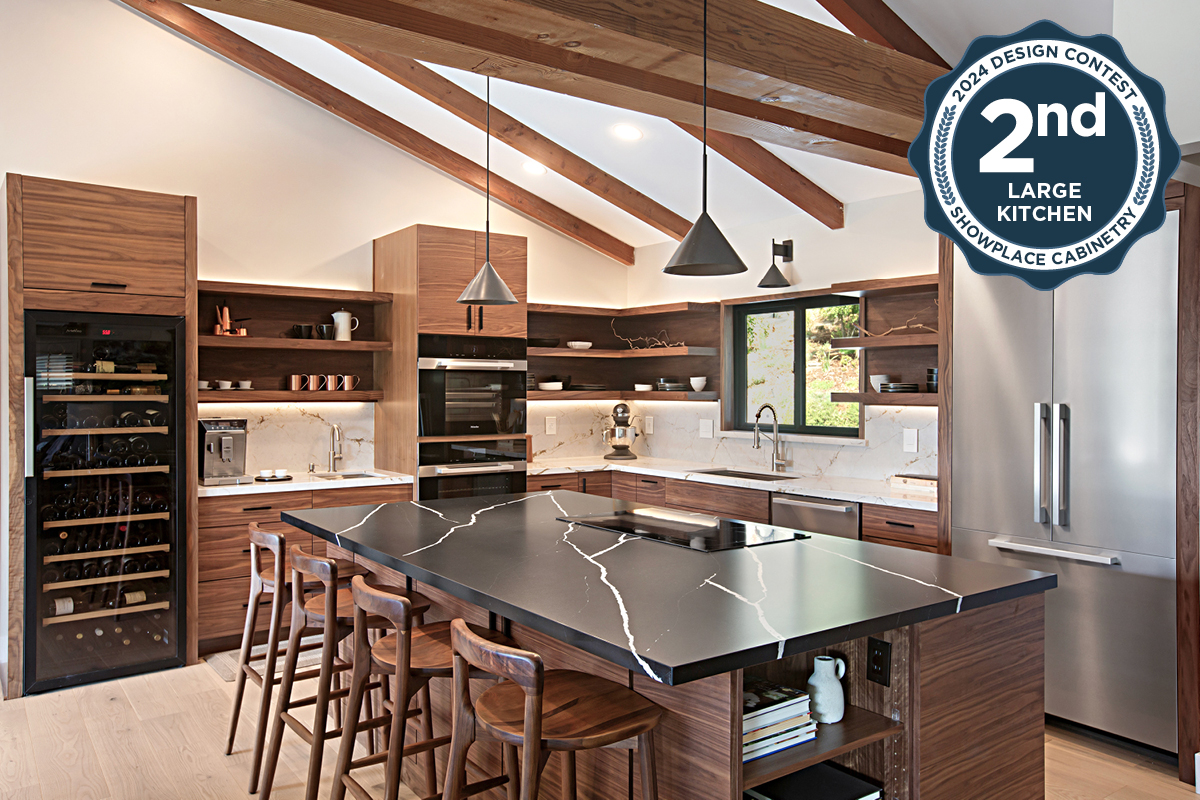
[[1044, 155]]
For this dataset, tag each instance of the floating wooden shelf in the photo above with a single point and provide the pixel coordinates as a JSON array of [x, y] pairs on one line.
[[886, 398], [267, 343], [74, 473], [106, 612], [613, 394], [286, 396], [104, 376], [291, 292], [858, 728], [135, 576], [887, 287], [878, 342], [102, 431], [125, 551], [638, 311], [79, 523], [647, 352], [105, 398]]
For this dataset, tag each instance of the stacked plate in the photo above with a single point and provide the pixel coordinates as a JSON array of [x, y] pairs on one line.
[[672, 387], [588, 387], [899, 387]]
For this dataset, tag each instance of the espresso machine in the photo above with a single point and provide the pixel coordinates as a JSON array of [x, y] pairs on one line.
[[621, 435], [223, 451]]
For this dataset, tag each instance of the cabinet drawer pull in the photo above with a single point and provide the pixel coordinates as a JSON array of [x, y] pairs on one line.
[[103, 285], [469, 325], [648, 481], [257, 508], [481, 318], [899, 524], [551, 485]]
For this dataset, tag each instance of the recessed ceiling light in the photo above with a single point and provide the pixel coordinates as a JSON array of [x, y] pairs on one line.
[[534, 168], [627, 132]]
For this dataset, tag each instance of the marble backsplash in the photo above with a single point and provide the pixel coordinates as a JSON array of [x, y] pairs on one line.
[[293, 435], [677, 428]]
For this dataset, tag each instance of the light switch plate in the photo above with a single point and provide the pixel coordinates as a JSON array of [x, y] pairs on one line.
[[551, 425], [649, 425], [706, 429], [910, 440]]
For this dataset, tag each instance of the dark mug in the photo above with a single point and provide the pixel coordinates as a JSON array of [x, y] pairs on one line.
[[324, 331], [302, 331]]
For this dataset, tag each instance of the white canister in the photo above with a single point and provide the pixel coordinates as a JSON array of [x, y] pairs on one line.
[[827, 703], [343, 323]]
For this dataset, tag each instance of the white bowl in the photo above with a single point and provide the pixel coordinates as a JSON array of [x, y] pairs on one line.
[[643, 387], [878, 380], [265, 473], [556, 386], [698, 384], [579, 345]]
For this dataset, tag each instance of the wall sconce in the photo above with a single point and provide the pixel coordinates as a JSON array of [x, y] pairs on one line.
[[774, 278]]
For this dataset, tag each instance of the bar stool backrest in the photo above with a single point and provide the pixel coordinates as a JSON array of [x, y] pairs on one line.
[[263, 539], [392, 607], [321, 569]]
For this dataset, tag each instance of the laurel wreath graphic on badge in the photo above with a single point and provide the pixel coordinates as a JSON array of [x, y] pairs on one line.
[[1044, 155]]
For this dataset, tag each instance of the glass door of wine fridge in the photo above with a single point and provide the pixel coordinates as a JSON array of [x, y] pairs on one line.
[[105, 496]]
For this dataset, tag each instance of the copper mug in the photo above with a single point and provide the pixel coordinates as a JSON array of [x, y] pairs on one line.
[[347, 383], [297, 383], [317, 383]]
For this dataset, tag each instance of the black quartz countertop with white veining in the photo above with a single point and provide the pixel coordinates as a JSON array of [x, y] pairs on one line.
[[674, 614]]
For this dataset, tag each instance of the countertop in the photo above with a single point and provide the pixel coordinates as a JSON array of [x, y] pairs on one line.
[[856, 490], [675, 614], [302, 482]]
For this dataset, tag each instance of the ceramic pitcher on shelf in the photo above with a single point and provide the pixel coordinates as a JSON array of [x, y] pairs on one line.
[[827, 703], [343, 323]]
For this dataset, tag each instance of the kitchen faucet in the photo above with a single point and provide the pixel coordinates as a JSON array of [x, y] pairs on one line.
[[777, 461], [335, 446]]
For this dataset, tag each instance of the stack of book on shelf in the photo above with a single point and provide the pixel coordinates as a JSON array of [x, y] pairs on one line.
[[820, 782], [774, 718]]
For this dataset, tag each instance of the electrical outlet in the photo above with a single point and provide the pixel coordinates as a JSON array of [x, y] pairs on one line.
[[879, 661], [910, 440], [551, 425], [706, 429], [649, 425]]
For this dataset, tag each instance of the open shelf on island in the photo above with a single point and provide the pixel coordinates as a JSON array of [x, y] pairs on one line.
[[645, 352], [858, 728], [879, 342], [267, 343], [286, 396], [886, 398]]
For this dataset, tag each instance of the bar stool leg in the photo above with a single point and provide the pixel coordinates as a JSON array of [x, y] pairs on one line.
[[321, 715], [243, 659], [283, 704], [358, 681], [568, 776], [649, 773], [426, 706], [512, 766], [268, 684]]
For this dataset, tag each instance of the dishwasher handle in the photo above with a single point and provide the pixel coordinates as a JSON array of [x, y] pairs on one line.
[[845, 508], [1041, 550]]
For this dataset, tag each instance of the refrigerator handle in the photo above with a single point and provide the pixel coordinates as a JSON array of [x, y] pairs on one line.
[[1060, 480], [1041, 413], [29, 444]]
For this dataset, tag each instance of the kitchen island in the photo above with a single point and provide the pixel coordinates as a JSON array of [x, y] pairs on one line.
[[962, 714]]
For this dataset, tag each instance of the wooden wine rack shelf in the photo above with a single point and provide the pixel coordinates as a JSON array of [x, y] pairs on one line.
[[105, 376], [106, 612], [105, 398], [126, 551], [73, 473], [103, 431], [79, 523], [136, 576]]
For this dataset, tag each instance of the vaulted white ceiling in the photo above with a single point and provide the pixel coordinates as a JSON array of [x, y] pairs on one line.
[[665, 163]]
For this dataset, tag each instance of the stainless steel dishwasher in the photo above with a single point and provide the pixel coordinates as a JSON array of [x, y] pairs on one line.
[[815, 515]]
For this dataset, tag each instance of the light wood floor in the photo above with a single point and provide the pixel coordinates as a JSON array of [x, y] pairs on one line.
[[161, 737]]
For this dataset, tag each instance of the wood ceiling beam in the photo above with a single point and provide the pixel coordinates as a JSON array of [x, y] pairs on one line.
[[655, 80], [874, 21], [775, 173], [226, 43], [447, 94]]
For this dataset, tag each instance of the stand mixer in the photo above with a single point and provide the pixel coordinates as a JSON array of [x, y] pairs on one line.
[[621, 435]]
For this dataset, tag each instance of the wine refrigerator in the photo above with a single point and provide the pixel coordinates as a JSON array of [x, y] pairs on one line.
[[105, 496]]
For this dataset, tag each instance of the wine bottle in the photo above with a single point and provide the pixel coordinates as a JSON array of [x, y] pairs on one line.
[[65, 604], [128, 596], [49, 513], [51, 574], [109, 567], [130, 566], [90, 569], [71, 572], [151, 563], [160, 505], [70, 545], [52, 547]]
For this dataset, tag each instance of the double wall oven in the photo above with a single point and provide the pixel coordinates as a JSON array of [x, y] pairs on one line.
[[471, 396]]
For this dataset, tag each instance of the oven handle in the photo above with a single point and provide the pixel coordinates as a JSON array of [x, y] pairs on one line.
[[474, 470], [471, 364]]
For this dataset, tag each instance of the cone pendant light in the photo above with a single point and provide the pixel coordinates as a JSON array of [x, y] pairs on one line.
[[774, 278], [705, 250], [487, 288]]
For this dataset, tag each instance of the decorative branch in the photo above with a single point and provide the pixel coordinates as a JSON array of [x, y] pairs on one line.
[[661, 339], [909, 325]]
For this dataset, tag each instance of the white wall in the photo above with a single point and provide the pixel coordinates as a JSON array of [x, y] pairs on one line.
[[1159, 36]]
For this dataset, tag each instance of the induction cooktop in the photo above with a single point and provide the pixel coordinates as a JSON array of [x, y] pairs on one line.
[[686, 529]]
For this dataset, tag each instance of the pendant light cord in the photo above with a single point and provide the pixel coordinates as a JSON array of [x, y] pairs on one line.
[[704, 166], [487, 225]]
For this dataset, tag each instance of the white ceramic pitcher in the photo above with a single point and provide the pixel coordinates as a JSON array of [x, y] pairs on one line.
[[343, 323], [827, 703]]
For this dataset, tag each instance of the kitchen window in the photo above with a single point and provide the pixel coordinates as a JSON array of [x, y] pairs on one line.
[[781, 356]]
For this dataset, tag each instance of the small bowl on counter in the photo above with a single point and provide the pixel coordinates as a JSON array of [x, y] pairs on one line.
[[579, 345], [550, 386], [643, 387]]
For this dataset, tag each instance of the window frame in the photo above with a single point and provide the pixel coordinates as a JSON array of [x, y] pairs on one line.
[[798, 305]]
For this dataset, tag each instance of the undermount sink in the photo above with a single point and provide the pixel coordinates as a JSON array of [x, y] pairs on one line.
[[342, 476], [751, 476]]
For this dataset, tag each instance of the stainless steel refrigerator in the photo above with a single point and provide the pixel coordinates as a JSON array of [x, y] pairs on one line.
[[1064, 461]]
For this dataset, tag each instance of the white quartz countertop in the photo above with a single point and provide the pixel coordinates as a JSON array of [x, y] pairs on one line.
[[303, 482], [855, 490]]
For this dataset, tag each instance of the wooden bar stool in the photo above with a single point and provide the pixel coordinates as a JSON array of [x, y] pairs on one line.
[[331, 614], [263, 582], [541, 712], [415, 656]]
